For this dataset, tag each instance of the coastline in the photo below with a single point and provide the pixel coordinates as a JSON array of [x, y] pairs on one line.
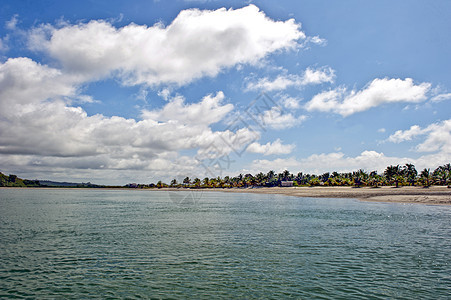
[[434, 195]]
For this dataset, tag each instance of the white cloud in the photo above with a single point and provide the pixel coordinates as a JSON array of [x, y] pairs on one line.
[[441, 97], [223, 143], [317, 40], [49, 134], [12, 23], [438, 137], [85, 99], [206, 112], [290, 102], [282, 82], [42, 128], [269, 148], [406, 135], [381, 130], [23, 81], [197, 43], [317, 76], [275, 118], [164, 93], [337, 161], [378, 92], [66, 137]]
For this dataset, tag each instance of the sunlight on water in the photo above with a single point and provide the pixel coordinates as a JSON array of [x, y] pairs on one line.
[[104, 243]]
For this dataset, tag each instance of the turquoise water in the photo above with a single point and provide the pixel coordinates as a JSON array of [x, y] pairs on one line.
[[141, 244]]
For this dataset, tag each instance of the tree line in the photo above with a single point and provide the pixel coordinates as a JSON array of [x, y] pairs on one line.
[[399, 175], [12, 180]]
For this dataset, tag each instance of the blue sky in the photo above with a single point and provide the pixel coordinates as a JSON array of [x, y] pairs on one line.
[[136, 91]]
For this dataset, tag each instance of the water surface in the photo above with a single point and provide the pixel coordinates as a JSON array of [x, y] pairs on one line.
[[66, 243]]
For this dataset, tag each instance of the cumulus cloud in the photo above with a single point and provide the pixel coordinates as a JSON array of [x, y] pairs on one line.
[[337, 161], [26, 81], [207, 112], [197, 43], [378, 92], [290, 102], [98, 169], [43, 128], [406, 135], [164, 93], [269, 148], [437, 141], [438, 137], [275, 118], [282, 82], [66, 137], [39, 123]]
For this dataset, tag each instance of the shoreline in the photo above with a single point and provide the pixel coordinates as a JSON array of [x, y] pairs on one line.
[[434, 195]]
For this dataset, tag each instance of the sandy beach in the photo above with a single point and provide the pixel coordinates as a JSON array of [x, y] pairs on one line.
[[438, 195]]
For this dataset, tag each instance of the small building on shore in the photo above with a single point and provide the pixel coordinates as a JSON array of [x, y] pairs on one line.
[[286, 183]]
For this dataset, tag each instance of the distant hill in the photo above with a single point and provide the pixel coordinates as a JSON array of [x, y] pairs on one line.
[[56, 183], [49, 183], [14, 181]]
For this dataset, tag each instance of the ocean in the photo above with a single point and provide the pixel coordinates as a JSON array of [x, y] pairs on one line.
[[88, 243]]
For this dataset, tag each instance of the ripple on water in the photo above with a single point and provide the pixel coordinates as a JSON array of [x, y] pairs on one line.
[[125, 244]]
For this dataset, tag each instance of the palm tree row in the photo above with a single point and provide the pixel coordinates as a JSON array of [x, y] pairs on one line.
[[392, 176]]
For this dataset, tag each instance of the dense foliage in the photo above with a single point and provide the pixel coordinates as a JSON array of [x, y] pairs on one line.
[[393, 176], [14, 181]]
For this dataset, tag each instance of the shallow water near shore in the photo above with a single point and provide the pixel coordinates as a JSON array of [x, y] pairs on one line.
[[67, 243]]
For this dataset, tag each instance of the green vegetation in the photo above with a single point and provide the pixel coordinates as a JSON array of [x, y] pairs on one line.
[[396, 176], [14, 181]]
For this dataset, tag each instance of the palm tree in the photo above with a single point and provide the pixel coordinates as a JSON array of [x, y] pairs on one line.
[[271, 178], [286, 175], [197, 182], [410, 173], [227, 181], [392, 174], [360, 177], [260, 178], [442, 174], [173, 182], [375, 179], [161, 184], [314, 181], [324, 177], [332, 181], [425, 175]]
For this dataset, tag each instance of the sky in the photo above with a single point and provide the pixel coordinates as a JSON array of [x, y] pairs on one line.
[[113, 92]]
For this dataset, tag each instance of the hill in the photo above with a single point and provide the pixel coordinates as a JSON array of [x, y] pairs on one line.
[[14, 181]]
